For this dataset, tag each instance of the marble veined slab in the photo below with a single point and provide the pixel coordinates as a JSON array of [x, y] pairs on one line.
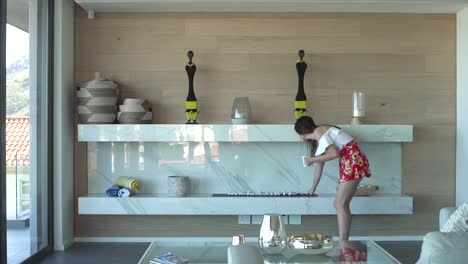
[[226, 167], [230, 133], [99, 204]]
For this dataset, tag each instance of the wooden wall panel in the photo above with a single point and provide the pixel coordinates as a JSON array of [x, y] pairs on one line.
[[405, 64]]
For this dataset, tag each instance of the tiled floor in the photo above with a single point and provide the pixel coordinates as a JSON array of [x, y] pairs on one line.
[[18, 244], [90, 253], [126, 253]]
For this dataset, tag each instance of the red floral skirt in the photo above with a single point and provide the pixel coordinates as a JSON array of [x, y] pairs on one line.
[[348, 255], [353, 163]]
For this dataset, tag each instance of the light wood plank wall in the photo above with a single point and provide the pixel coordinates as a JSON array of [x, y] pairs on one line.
[[405, 64]]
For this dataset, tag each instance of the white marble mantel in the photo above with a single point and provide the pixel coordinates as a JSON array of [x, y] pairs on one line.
[[230, 133], [146, 204]]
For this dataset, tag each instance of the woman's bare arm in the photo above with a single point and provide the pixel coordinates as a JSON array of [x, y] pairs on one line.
[[317, 177], [330, 153]]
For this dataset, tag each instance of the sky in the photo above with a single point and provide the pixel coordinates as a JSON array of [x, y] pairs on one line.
[[17, 44]]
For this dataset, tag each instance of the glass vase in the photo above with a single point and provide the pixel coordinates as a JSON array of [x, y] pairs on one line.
[[241, 111]]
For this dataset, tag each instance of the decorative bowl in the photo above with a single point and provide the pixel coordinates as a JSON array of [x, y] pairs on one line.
[[309, 244]]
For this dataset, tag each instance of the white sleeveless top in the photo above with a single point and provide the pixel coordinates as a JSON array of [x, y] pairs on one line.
[[333, 136]]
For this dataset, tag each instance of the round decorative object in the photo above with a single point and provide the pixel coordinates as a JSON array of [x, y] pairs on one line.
[[311, 244], [135, 111], [178, 185], [97, 101]]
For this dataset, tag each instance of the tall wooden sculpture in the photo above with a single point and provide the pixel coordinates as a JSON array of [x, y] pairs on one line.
[[191, 110], [300, 105]]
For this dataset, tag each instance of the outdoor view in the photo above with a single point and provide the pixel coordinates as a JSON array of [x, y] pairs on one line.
[[17, 144], [17, 70]]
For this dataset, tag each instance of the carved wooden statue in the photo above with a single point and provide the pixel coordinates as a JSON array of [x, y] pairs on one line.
[[191, 110], [300, 105]]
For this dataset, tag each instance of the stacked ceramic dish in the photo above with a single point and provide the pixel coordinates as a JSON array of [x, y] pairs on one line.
[[135, 111], [97, 101]]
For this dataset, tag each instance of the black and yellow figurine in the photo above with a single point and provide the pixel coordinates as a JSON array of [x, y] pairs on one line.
[[191, 110], [300, 105]]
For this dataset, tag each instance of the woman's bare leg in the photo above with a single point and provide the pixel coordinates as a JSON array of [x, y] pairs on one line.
[[344, 194]]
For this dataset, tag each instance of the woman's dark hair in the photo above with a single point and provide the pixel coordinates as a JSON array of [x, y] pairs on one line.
[[306, 125]]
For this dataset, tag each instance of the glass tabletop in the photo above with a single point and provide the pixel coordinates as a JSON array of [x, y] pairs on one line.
[[216, 252]]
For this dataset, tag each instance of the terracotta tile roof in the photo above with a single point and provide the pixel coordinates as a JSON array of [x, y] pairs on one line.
[[17, 140]]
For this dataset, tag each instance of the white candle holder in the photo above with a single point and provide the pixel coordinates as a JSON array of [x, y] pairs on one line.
[[358, 108]]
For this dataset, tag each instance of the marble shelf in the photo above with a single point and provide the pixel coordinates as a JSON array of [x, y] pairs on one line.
[[230, 133], [147, 204], [392, 6]]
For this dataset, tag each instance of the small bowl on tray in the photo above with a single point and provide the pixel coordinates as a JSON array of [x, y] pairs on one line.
[[310, 244]]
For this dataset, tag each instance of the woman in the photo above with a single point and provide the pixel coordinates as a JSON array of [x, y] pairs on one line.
[[328, 143]]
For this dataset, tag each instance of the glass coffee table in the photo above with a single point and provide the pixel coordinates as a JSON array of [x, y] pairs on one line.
[[216, 252]]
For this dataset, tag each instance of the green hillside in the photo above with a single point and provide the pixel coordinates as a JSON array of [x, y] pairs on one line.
[[18, 89]]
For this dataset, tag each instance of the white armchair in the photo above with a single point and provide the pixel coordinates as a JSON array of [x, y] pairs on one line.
[[444, 248]]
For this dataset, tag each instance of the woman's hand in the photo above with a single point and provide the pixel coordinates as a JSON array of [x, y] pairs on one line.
[[310, 160], [311, 191]]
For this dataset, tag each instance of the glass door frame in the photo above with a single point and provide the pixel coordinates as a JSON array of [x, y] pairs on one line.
[[47, 79], [3, 233]]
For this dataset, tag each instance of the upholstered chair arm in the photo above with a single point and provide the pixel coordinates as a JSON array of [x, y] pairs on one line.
[[444, 215]]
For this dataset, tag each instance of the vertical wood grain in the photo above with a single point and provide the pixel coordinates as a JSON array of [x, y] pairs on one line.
[[405, 64]]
